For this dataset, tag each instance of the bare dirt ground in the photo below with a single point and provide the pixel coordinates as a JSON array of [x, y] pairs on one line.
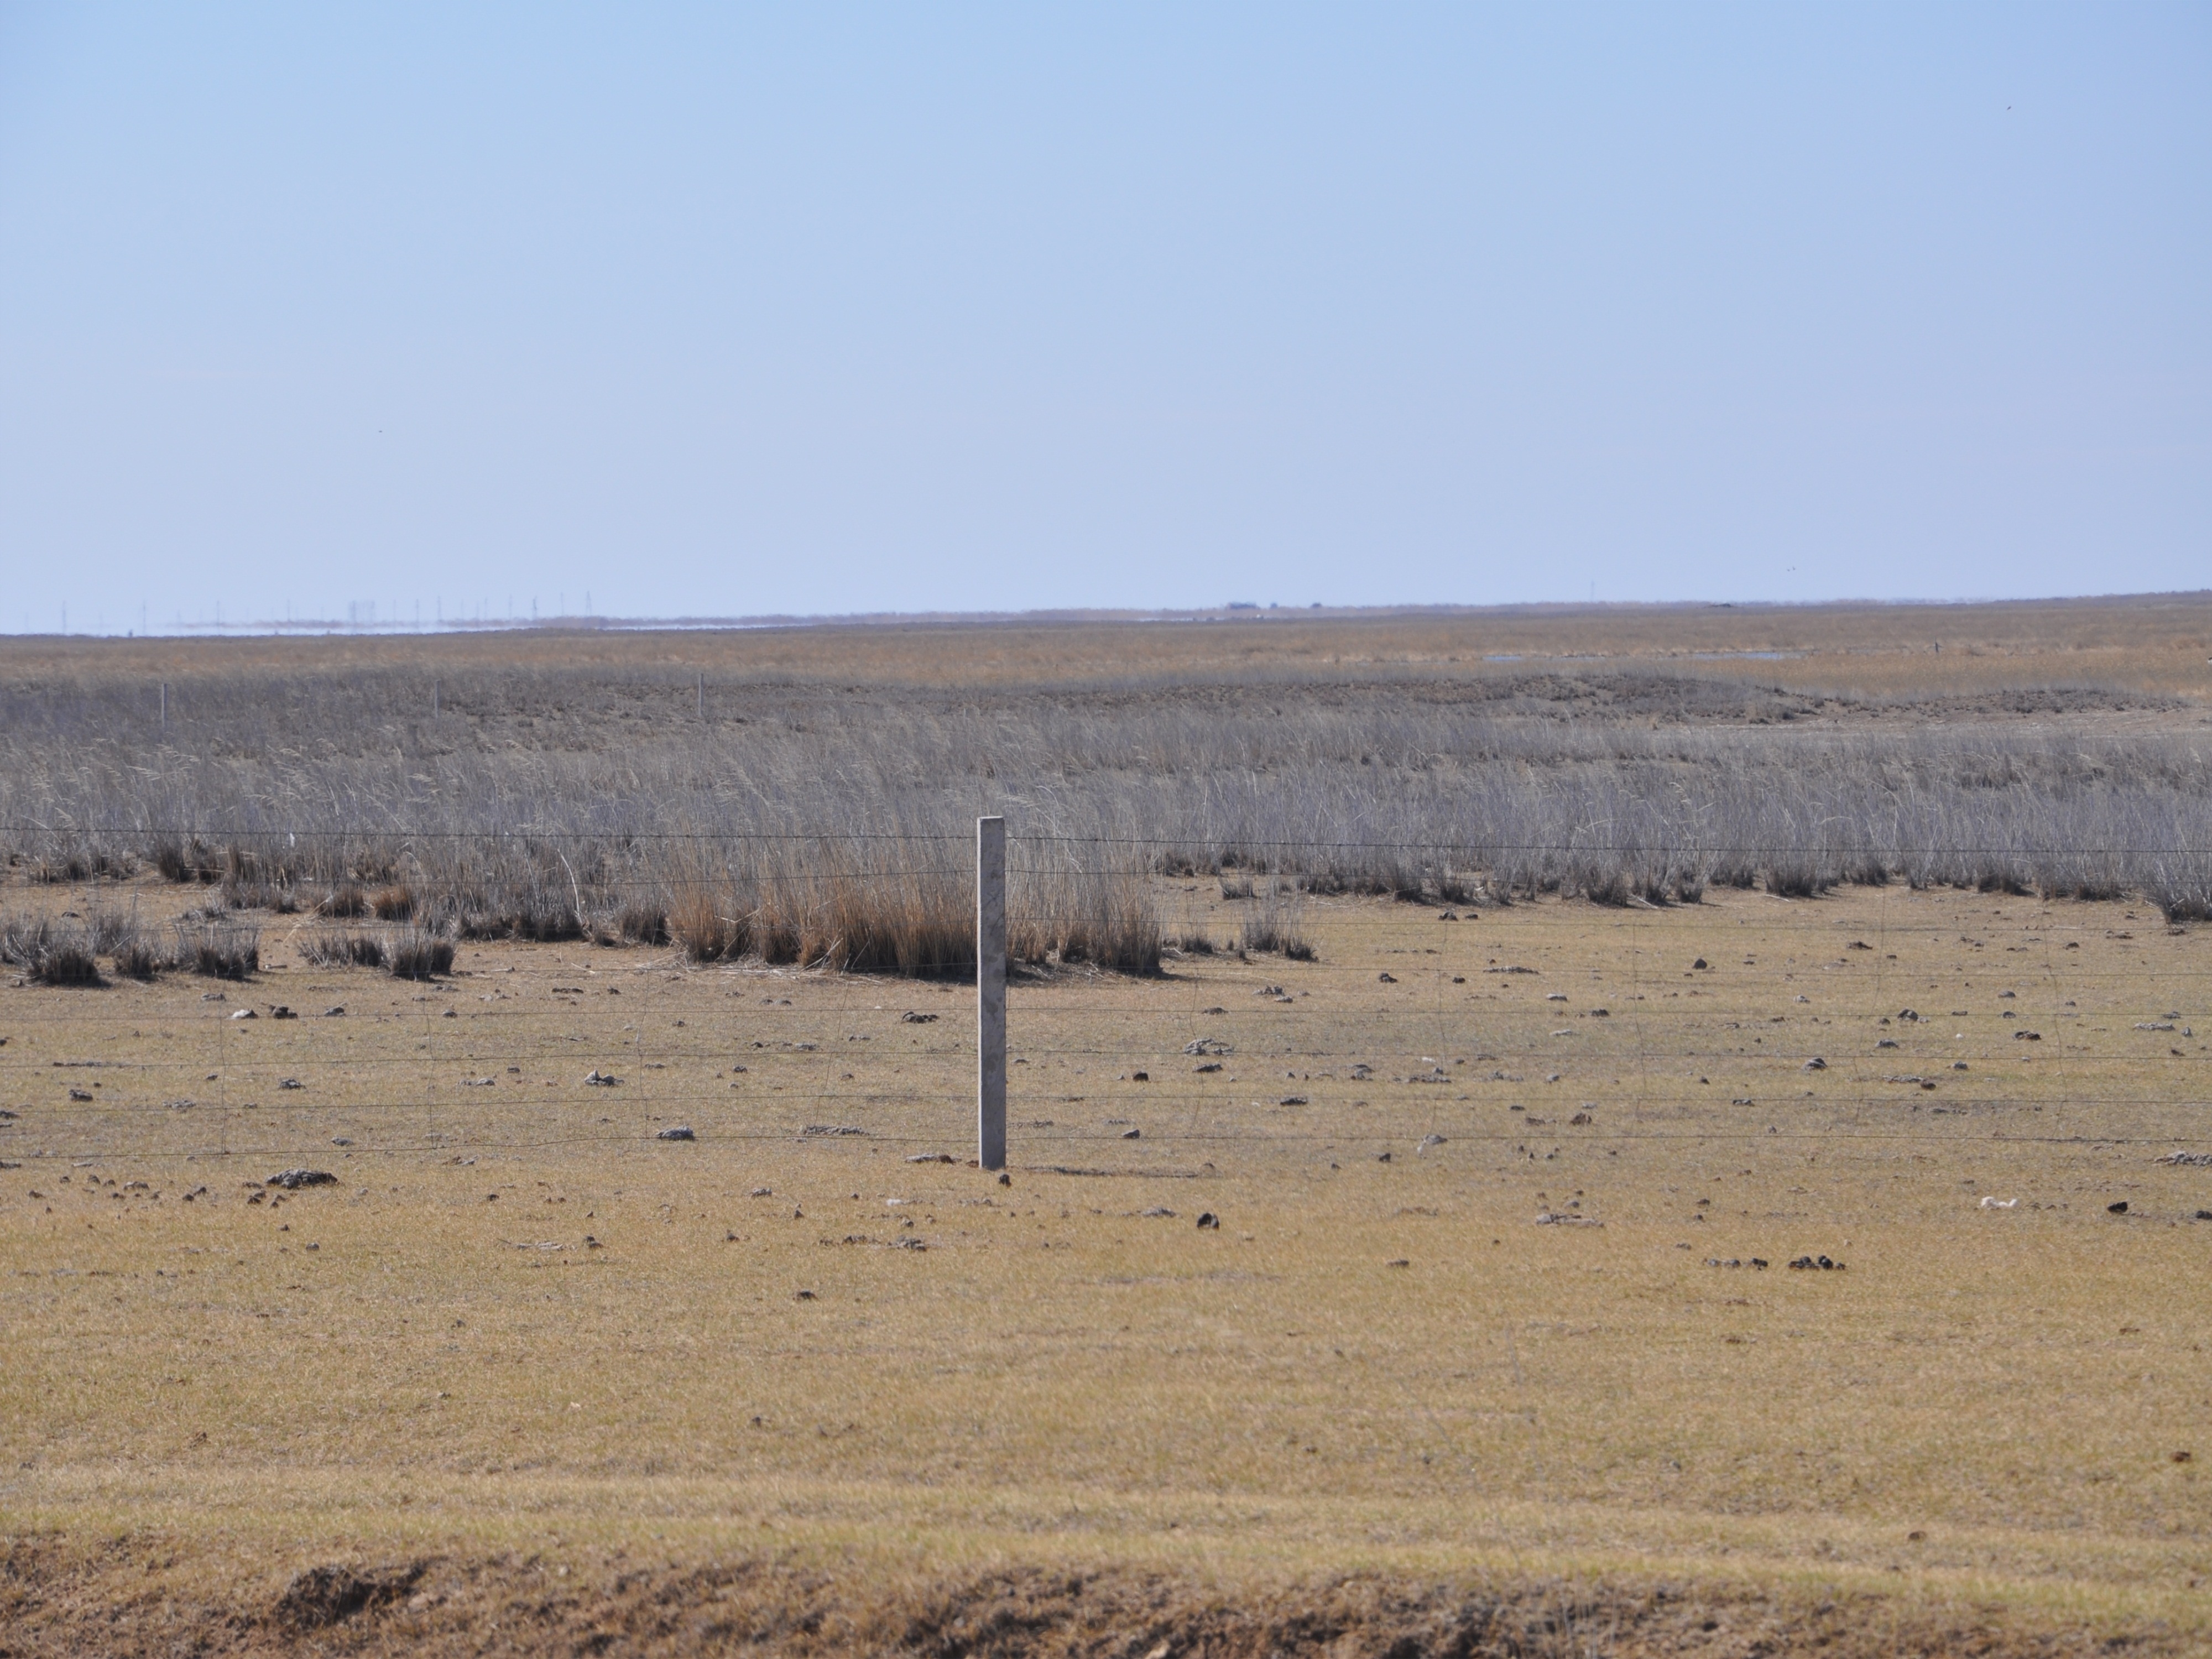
[[1480, 1358]]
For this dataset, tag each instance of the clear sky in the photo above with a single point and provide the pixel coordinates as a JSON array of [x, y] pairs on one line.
[[822, 308]]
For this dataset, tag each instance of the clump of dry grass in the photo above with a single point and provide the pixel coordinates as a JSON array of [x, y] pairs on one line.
[[345, 900], [639, 922], [405, 953], [699, 929], [117, 935], [48, 952], [337, 947], [218, 950], [140, 958], [1273, 923], [417, 953]]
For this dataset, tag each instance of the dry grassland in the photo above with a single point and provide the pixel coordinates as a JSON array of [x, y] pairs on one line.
[[783, 790], [551, 1383], [2150, 644]]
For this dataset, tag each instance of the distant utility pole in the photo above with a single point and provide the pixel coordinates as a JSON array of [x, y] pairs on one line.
[[991, 993]]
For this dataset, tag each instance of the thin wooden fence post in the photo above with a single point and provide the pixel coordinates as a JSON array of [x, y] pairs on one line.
[[991, 993]]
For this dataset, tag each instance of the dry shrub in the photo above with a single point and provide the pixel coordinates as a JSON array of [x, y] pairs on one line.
[[1063, 908], [180, 858], [702, 927], [414, 953], [2180, 885], [67, 961], [346, 899], [1458, 886], [219, 950], [895, 906], [1607, 886], [393, 903], [338, 947], [112, 930], [49, 953], [140, 958], [117, 934], [1796, 877], [259, 893], [902, 915], [640, 922], [1273, 924]]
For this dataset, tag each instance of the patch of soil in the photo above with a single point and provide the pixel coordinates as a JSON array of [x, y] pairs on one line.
[[134, 1597]]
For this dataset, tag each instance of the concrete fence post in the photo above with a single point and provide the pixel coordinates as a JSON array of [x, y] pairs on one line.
[[991, 993]]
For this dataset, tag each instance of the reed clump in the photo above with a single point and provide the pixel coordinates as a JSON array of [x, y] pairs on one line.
[[1272, 925], [417, 953], [219, 950], [50, 952], [339, 947]]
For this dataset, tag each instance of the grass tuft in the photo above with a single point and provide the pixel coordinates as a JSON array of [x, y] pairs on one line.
[[218, 950], [415, 953], [339, 947]]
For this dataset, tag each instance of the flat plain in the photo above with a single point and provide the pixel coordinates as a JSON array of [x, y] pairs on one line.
[[520, 1327], [1496, 1345]]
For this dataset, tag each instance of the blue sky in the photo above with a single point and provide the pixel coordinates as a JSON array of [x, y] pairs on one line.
[[820, 309]]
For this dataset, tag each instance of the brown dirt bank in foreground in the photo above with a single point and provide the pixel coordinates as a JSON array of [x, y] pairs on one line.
[[139, 1596]]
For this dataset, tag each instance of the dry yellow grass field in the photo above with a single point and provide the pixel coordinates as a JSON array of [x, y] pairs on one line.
[[551, 1369], [2154, 644]]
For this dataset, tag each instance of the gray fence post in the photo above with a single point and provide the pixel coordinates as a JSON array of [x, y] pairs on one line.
[[991, 993]]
